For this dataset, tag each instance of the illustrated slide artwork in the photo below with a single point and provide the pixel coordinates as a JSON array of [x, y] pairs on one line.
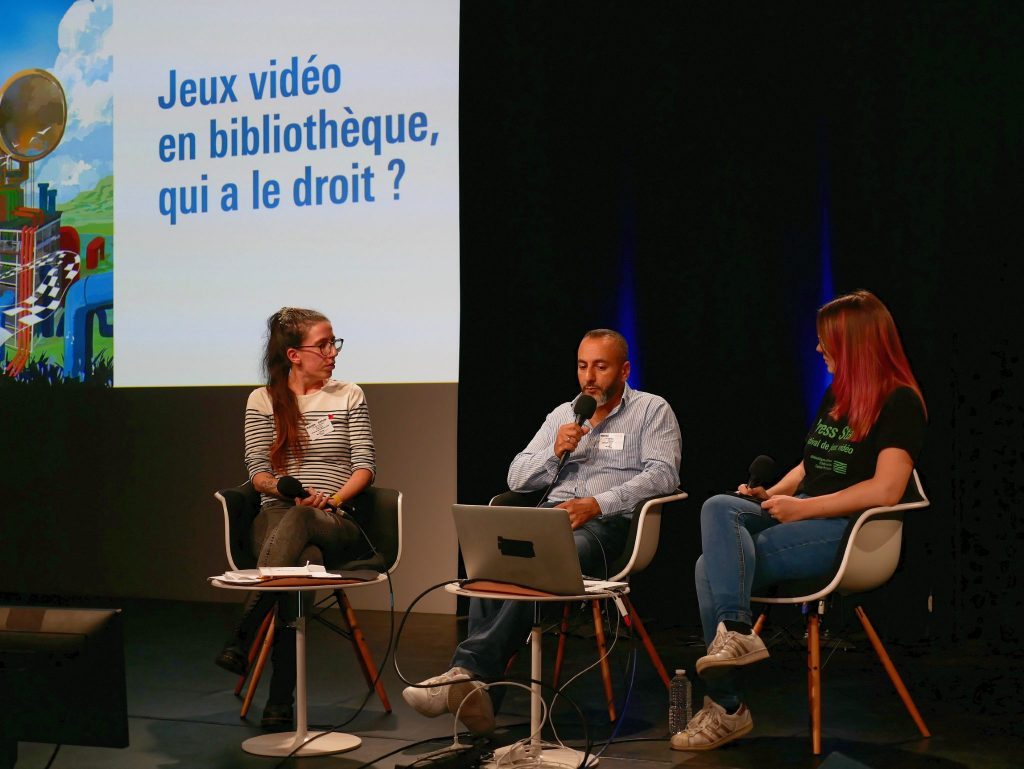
[[304, 158], [56, 202]]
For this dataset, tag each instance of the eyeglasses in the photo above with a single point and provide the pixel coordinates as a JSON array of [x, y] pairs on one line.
[[325, 347]]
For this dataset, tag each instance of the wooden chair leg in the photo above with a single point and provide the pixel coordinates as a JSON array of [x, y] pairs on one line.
[[362, 650], [254, 649], [891, 670], [261, 660], [814, 679], [646, 641], [606, 675], [759, 625], [563, 631]]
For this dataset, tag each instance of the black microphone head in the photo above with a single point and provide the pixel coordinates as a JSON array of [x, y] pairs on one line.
[[762, 471], [290, 487], [585, 407]]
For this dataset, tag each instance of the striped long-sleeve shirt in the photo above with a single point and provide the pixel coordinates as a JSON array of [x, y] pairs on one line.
[[337, 423], [633, 454]]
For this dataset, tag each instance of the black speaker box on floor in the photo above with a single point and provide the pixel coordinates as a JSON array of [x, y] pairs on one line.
[[62, 677]]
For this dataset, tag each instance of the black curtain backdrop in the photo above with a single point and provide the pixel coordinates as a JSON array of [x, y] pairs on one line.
[[705, 156]]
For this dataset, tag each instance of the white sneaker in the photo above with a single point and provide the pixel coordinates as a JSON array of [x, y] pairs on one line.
[[712, 727], [445, 694], [731, 649]]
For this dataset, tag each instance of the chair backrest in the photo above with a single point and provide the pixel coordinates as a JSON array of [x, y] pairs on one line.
[[868, 554], [643, 538], [644, 530], [874, 543], [516, 498], [377, 510], [241, 505]]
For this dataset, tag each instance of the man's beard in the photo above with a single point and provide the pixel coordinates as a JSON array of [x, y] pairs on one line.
[[603, 396]]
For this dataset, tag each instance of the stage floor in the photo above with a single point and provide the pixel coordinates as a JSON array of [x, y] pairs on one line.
[[183, 712]]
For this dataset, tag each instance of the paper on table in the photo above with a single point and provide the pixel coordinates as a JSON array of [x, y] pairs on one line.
[[309, 570], [253, 576]]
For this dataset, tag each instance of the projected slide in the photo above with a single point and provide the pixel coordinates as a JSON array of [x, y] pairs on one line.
[[303, 154]]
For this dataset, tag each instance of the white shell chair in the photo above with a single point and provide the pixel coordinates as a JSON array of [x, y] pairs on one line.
[[870, 555]]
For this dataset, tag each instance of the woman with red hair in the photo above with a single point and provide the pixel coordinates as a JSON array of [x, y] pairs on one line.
[[859, 453]]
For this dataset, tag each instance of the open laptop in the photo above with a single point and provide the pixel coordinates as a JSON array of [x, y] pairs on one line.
[[528, 546]]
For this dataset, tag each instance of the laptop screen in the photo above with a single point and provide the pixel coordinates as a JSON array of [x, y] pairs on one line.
[[528, 546]]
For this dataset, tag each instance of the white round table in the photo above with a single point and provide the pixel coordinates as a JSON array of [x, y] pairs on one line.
[[300, 742], [541, 756]]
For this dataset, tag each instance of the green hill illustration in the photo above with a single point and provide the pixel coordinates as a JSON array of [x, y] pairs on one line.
[[92, 211]]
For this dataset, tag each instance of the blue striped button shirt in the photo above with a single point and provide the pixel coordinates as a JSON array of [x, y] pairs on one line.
[[647, 465]]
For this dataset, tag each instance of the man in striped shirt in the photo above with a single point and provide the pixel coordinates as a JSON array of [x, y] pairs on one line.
[[628, 451]]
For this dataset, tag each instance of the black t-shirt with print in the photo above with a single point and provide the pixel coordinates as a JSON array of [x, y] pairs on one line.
[[833, 462]]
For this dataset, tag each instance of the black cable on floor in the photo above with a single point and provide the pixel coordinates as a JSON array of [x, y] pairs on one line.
[[52, 757]]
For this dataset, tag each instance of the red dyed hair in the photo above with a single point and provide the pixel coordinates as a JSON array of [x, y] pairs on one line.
[[858, 333]]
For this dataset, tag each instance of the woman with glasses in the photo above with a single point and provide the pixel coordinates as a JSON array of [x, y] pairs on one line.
[[316, 429]]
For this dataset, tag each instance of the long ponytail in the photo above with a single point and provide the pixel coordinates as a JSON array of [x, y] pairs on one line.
[[285, 329]]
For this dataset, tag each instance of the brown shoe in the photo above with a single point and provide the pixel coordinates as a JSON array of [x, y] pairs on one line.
[[233, 660], [278, 718]]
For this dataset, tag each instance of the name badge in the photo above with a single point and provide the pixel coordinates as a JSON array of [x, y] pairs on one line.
[[611, 441], [319, 428]]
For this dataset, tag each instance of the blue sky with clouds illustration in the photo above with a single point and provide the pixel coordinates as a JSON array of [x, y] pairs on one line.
[[73, 41]]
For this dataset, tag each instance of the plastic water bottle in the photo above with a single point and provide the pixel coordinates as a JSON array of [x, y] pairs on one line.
[[680, 706]]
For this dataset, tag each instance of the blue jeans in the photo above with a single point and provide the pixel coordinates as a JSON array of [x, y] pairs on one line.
[[745, 551], [498, 628]]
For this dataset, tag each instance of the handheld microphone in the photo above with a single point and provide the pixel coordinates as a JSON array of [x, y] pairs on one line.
[[762, 470], [292, 488], [584, 409]]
